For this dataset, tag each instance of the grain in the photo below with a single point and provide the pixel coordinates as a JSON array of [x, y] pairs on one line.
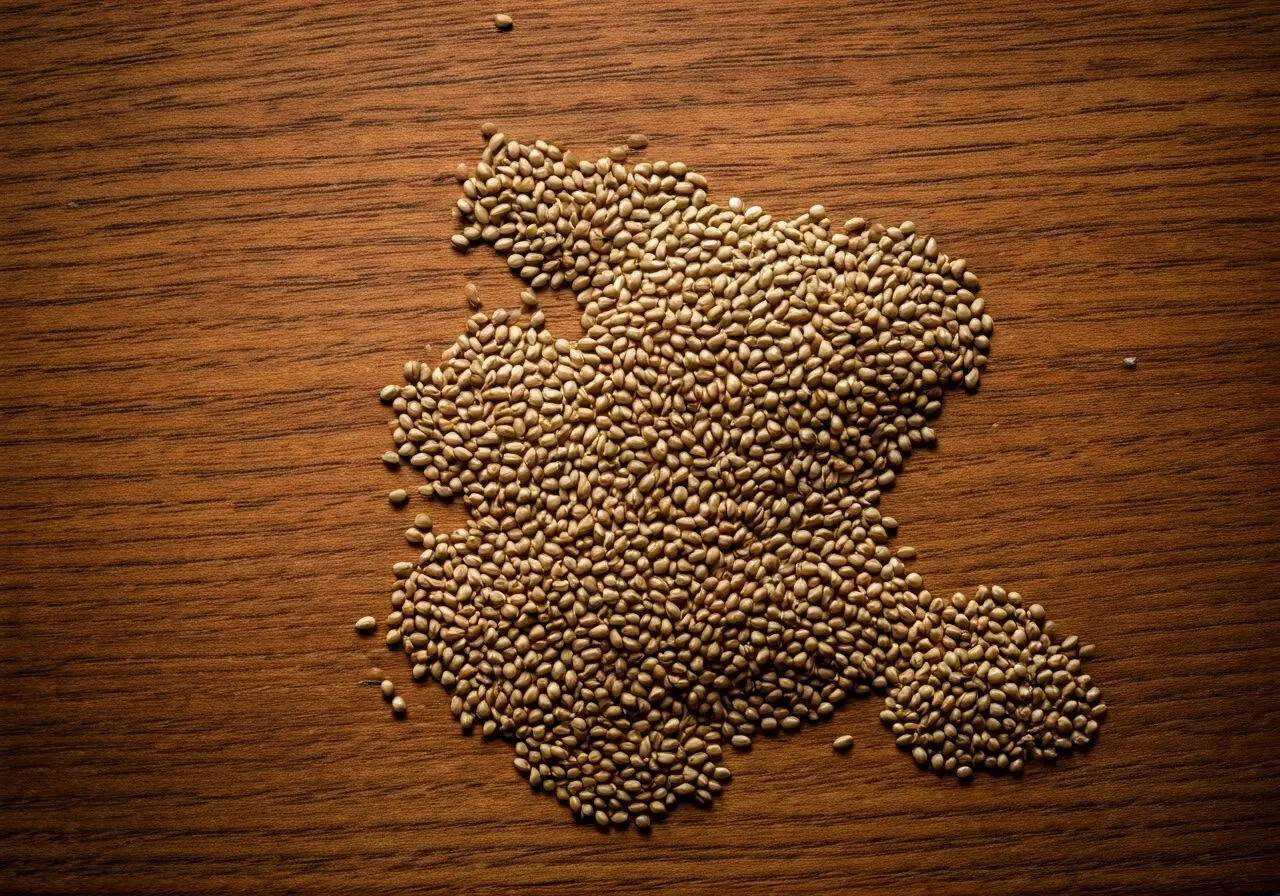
[[503, 22], [473, 297], [1130, 363], [842, 743], [391, 459], [637, 141], [388, 688], [366, 625], [674, 543], [388, 394], [398, 706], [398, 497]]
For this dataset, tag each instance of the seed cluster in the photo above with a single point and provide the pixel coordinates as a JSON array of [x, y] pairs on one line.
[[674, 541]]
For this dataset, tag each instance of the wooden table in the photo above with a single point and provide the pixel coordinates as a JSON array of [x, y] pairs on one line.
[[226, 225]]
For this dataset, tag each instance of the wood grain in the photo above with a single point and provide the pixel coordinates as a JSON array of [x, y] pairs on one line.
[[226, 224]]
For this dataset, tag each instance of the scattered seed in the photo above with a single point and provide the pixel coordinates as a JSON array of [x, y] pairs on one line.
[[637, 141], [503, 22], [843, 742], [473, 297], [366, 625], [1130, 363], [391, 459], [398, 497], [388, 688], [398, 705], [388, 394]]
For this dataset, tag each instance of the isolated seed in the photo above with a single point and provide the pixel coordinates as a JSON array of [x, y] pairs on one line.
[[366, 624], [398, 497], [503, 22], [637, 141], [674, 539], [1130, 363], [388, 688], [843, 742], [473, 297], [398, 705]]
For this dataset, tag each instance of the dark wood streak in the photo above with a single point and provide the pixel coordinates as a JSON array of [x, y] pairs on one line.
[[226, 225]]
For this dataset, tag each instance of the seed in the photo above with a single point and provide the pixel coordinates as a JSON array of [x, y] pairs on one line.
[[366, 624], [398, 705], [503, 22], [398, 497], [388, 688], [391, 459], [1130, 363], [675, 538], [637, 141], [388, 394], [473, 297], [488, 129], [843, 742]]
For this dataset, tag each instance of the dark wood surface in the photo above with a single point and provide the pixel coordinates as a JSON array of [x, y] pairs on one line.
[[226, 225]]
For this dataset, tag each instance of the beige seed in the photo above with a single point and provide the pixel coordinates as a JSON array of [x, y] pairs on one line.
[[503, 22], [398, 706], [713, 448], [398, 497], [388, 688], [366, 625], [637, 141], [843, 742]]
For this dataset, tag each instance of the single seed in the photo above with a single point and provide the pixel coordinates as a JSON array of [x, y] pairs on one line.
[[637, 141], [398, 705], [398, 497], [1130, 363], [366, 624], [503, 22], [843, 742], [388, 688], [388, 394]]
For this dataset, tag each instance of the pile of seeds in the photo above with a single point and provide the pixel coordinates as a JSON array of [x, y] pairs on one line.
[[674, 541]]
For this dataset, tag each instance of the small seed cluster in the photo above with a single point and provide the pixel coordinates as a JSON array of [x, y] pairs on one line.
[[675, 543]]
